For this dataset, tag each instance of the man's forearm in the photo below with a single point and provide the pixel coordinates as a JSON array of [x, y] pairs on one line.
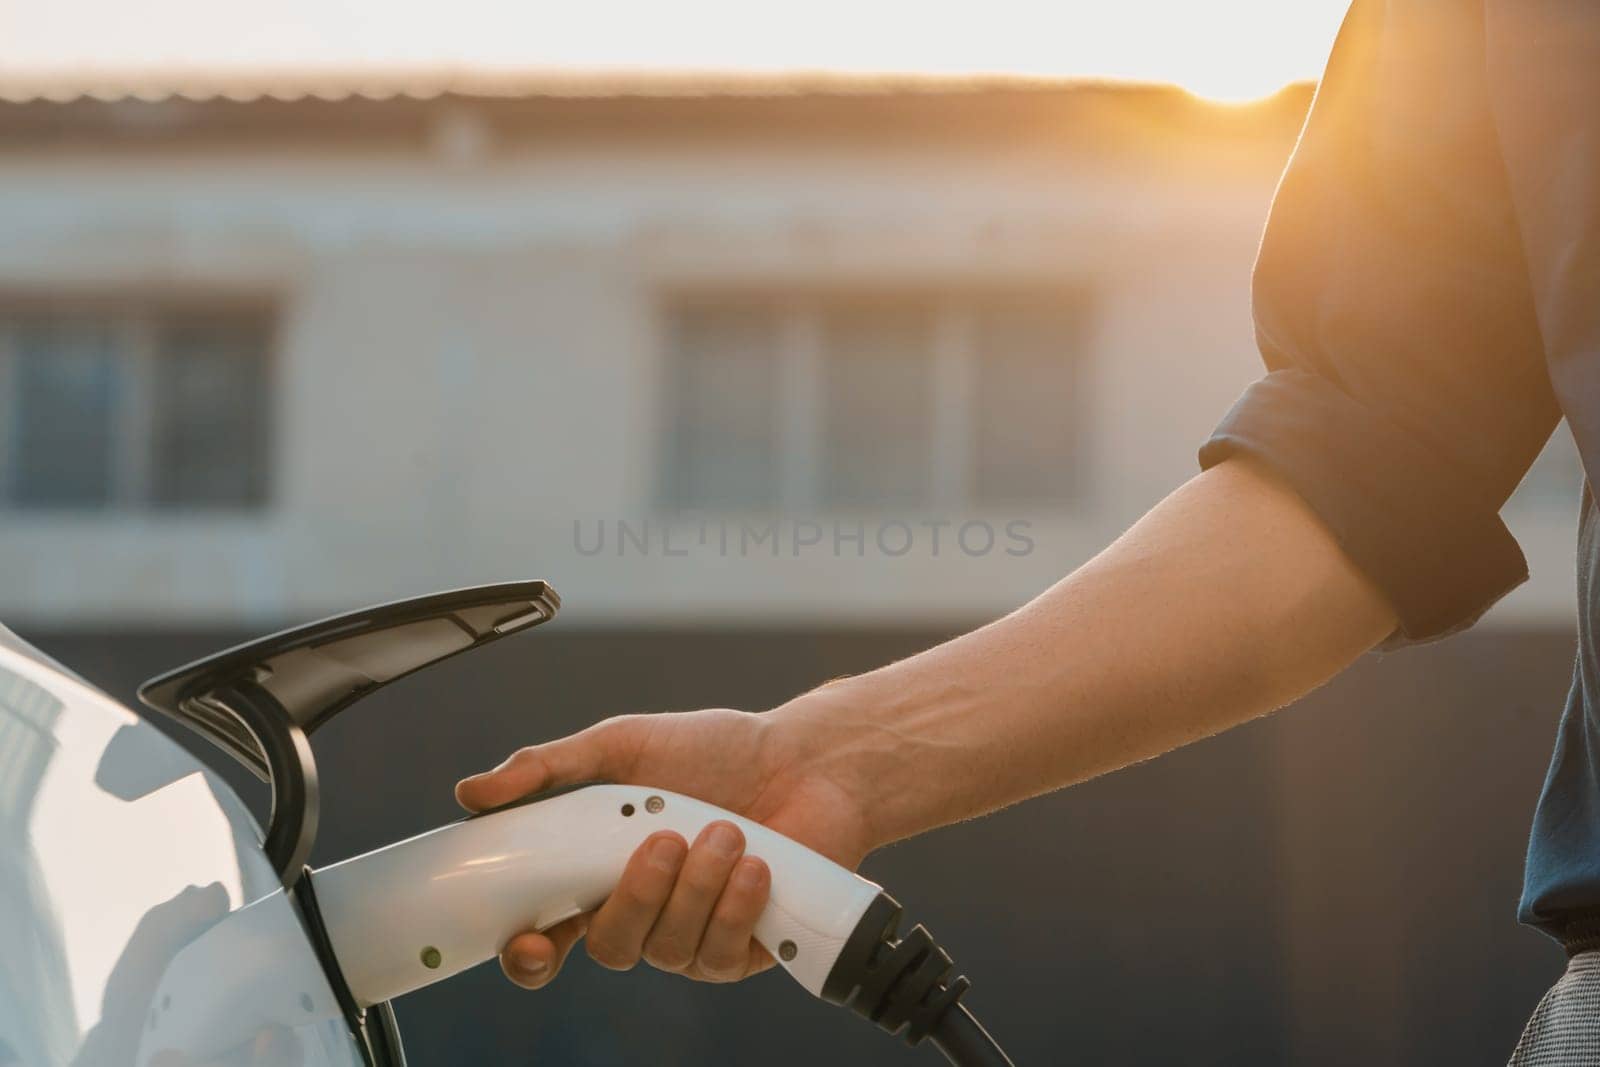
[[1226, 601]]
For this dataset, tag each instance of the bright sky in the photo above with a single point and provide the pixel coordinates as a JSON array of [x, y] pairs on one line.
[[1226, 49]]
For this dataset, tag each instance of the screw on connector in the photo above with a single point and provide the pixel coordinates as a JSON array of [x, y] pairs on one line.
[[654, 805]]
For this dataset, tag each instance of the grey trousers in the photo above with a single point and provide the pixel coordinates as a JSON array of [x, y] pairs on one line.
[[1565, 1028]]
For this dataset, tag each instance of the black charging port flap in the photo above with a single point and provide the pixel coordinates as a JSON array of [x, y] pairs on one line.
[[260, 701]]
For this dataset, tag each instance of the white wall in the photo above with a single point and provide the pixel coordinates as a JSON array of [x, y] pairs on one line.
[[469, 349]]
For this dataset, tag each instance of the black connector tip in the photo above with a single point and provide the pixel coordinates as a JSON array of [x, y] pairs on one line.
[[901, 985]]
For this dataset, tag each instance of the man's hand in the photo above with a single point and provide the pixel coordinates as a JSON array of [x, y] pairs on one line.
[[684, 907]]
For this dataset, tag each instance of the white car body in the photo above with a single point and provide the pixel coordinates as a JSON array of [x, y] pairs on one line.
[[118, 851]]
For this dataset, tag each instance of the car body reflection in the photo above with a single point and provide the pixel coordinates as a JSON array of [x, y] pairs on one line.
[[140, 921]]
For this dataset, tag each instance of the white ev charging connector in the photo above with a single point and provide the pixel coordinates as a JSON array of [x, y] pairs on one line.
[[423, 909], [420, 910]]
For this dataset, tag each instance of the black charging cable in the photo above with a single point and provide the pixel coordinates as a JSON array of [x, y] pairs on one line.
[[903, 985]]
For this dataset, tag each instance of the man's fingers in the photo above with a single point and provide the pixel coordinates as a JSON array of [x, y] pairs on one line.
[[524, 771], [598, 752], [532, 959], [727, 952], [691, 910], [616, 936], [675, 939]]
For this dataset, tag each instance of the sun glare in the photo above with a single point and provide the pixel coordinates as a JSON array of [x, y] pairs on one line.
[[1226, 50]]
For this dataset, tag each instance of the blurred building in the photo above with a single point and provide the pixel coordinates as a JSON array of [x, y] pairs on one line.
[[826, 368], [692, 350]]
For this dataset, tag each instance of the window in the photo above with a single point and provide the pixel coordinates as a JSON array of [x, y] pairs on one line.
[[1025, 426], [861, 402], [133, 407], [722, 382], [877, 406], [208, 429], [65, 383]]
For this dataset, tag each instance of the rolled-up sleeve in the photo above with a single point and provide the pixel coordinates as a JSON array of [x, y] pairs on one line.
[[1406, 391]]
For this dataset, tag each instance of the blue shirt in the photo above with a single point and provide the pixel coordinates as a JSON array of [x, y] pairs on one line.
[[1427, 303]]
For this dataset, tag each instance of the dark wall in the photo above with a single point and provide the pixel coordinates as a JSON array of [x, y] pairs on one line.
[[1333, 885]]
